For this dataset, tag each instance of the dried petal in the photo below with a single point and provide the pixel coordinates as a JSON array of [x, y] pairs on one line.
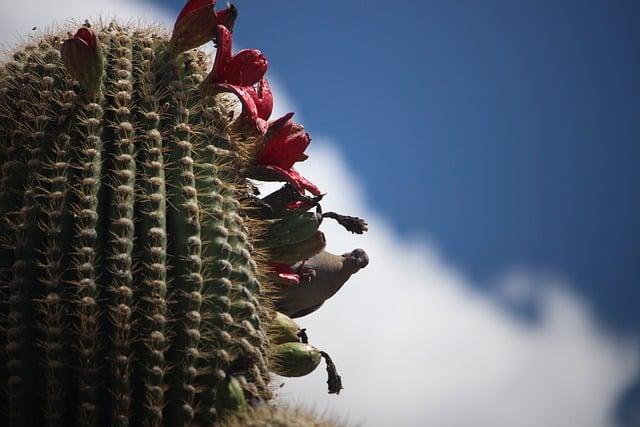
[[276, 125], [350, 223]]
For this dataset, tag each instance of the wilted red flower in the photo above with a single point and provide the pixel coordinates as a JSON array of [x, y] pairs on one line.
[[82, 57], [284, 144], [197, 22]]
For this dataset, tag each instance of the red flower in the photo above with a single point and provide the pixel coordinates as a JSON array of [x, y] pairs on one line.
[[82, 57], [197, 22], [285, 142], [242, 74]]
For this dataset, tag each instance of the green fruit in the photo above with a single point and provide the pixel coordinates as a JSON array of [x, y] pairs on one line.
[[230, 397], [283, 329], [294, 359]]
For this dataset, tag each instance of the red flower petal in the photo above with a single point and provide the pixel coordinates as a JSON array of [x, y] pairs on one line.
[[275, 173], [263, 99], [88, 36], [304, 182], [276, 125], [285, 144], [284, 152], [223, 55], [249, 108], [246, 68]]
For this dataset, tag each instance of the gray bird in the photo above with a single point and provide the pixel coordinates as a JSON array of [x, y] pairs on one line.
[[328, 272]]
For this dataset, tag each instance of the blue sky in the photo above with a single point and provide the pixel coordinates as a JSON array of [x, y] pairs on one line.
[[493, 147], [505, 131]]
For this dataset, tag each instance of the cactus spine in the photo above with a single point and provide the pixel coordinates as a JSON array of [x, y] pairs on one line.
[[134, 268]]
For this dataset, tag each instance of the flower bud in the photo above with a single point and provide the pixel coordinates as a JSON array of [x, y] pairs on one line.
[[82, 57], [196, 24]]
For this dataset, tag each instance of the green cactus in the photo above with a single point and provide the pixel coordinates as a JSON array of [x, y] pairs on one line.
[[134, 267]]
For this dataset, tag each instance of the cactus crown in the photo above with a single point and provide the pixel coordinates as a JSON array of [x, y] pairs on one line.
[[136, 261]]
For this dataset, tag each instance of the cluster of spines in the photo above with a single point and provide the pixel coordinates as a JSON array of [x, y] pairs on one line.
[[54, 127], [183, 221], [151, 231]]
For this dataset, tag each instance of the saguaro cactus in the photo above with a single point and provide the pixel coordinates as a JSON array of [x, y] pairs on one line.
[[137, 262]]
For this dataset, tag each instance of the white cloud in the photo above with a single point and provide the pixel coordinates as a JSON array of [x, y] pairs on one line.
[[418, 344], [414, 340]]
